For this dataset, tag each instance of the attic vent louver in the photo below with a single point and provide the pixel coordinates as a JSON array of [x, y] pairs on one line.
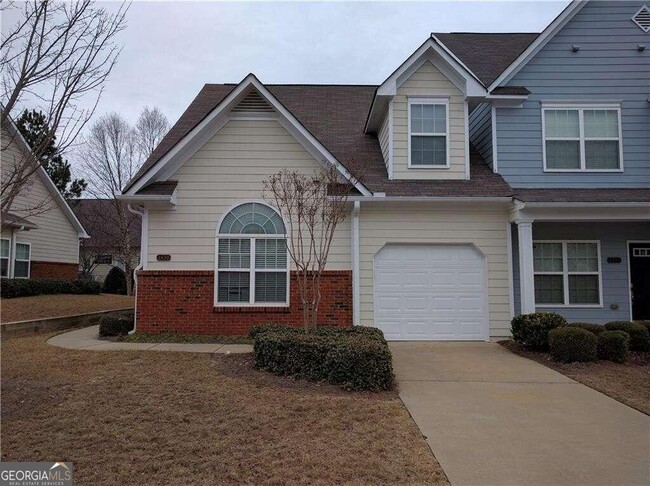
[[642, 18], [253, 103]]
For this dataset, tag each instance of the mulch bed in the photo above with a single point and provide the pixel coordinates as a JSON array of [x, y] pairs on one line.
[[629, 383]]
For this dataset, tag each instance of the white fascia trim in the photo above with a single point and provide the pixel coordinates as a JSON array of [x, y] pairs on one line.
[[48, 182], [218, 115], [389, 86], [495, 149], [549, 32], [594, 205], [451, 199], [143, 198]]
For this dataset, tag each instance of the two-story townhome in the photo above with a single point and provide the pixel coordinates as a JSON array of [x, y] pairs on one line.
[[40, 233], [577, 154], [428, 250]]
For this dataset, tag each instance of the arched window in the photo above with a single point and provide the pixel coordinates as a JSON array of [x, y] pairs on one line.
[[252, 265]]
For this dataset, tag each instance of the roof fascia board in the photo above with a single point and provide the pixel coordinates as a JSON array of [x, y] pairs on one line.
[[212, 123], [549, 32], [450, 199], [578, 212], [45, 177]]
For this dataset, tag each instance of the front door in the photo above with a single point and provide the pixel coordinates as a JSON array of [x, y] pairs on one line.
[[640, 280]]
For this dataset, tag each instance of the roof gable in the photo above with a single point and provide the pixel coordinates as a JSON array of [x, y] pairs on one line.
[[181, 146]]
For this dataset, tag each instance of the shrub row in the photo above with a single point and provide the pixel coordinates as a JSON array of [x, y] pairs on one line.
[[580, 341], [115, 326], [354, 358], [18, 287]]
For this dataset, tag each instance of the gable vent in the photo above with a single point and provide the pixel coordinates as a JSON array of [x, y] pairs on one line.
[[253, 103], [642, 18]]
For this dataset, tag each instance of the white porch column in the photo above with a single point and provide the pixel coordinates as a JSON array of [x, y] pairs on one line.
[[526, 276], [356, 295]]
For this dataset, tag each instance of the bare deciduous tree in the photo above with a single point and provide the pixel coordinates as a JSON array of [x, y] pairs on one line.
[[151, 127], [55, 55], [313, 206]]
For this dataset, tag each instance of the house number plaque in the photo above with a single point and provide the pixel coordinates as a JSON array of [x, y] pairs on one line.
[[163, 258]]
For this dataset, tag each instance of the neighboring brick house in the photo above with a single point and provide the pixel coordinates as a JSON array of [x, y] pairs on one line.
[[426, 252], [40, 233], [103, 250]]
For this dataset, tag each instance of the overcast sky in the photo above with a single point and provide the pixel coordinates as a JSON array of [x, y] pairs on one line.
[[171, 49]]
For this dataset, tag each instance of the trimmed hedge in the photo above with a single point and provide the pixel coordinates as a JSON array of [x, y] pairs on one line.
[[645, 324], [569, 344], [11, 288], [595, 328], [614, 346], [639, 335], [532, 329], [115, 326], [353, 358]]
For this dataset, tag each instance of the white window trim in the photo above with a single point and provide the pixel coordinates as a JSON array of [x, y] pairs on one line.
[[228, 236], [428, 101], [29, 261], [565, 276], [8, 257], [581, 107]]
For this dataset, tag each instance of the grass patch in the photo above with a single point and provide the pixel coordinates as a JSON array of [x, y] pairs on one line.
[[196, 418], [168, 337], [628, 382]]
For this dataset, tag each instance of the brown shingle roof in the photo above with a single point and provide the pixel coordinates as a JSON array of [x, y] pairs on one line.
[[486, 54], [583, 195], [336, 116], [160, 188]]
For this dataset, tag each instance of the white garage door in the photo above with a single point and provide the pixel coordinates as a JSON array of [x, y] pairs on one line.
[[431, 292]]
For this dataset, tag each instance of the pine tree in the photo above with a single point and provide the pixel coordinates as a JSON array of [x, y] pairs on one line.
[[34, 127]]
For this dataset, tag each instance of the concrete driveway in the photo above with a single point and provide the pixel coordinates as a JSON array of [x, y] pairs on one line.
[[492, 417]]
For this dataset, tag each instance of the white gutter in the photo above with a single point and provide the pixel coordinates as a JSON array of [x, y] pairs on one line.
[[594, 204], [143, 251], [356, 278], [461, 199]]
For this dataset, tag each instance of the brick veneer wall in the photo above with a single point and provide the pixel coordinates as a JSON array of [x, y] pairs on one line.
[[183, 302], [54, 270]]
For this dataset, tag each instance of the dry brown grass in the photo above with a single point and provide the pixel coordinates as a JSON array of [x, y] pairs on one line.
[[60, 305], [181, 418], [628, 383]]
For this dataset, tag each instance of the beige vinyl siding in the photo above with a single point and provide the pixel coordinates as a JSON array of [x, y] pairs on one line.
[[429, 81], [228, 170], [56, 239], [383, 135], [485, 227]]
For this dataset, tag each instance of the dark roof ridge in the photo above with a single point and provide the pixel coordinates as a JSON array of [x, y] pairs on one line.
[[310, 85], [487, 33]]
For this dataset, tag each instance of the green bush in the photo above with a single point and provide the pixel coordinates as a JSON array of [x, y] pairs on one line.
[[645, 324], [569, 344], [639, 335], [532, 329], [115, 282], [614, 346], [595, 328], [115, 326], [354, 360], [19, 287], [264, 328]]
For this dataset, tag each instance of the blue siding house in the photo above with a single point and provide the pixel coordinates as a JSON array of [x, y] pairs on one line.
[[576, 152]]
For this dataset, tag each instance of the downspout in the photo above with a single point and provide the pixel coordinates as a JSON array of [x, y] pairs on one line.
[[356, 311], [143, 254], [12, 253]]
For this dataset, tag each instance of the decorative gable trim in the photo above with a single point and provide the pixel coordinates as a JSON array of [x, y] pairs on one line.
[[219, 116], [549, 32]]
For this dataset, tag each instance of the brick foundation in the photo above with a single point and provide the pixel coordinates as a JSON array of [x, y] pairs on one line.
[[54, 270], [183, 302]]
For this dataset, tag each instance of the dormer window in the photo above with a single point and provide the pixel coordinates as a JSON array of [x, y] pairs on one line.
[[583, 138], [428, 121]]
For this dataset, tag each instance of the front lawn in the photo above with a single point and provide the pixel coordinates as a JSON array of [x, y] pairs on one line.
[[184, 418], [61, 305], [628, 383]]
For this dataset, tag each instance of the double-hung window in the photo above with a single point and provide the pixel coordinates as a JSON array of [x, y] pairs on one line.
[[4, 257], [252, 264], [21, 263], [567, 273], [582, 138], [428, 121]]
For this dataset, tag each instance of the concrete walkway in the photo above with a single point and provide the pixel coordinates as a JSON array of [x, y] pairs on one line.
[[495, 418], [87, 339]]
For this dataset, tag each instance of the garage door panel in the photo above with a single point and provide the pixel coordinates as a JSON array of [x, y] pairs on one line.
[[429, 292]]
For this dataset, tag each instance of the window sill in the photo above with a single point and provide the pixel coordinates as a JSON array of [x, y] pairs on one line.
[[568, 306], [587, 171], [251, 309], [428, 166]]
